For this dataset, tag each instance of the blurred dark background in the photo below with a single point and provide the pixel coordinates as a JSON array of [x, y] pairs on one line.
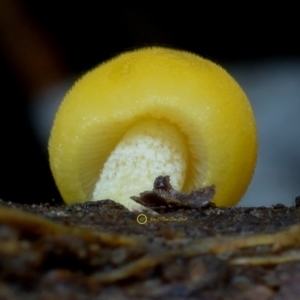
[[45, 42]]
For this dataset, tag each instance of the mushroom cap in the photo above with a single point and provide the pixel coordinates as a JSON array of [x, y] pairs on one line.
[[194, 94]]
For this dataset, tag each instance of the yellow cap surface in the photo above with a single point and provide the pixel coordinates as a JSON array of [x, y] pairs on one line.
[[197, 96]]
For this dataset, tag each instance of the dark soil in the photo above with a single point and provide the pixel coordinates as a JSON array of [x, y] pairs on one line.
[[100, 250]]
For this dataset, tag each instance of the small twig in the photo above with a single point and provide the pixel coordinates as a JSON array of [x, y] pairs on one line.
[[267, 259], [38, 226]]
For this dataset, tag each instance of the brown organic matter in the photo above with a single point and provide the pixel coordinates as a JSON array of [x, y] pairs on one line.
[[163, 195], [98, 250]]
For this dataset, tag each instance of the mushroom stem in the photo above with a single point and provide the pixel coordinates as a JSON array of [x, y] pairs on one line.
[[150, 148]]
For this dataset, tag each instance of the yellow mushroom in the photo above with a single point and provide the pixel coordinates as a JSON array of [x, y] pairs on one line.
[[150, 112]]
